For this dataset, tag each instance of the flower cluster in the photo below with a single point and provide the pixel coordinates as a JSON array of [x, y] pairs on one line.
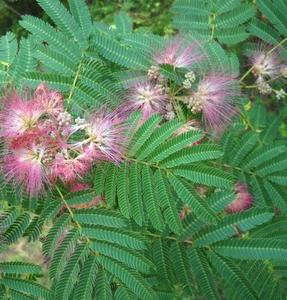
[[268, 64], [147, 96], [43, 143], [214, 97], [39, 144], [179, 53], [243, 199]]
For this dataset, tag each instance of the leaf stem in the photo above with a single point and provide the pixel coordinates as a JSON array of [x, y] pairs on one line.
[[75, 80], [269, 52]]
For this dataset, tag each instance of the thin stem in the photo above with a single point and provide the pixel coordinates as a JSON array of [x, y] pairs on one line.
[[269, 52], [66, 204], [247, 73], [12, 9], [143, 162], [277, 46], [75, 80], [167, 237]]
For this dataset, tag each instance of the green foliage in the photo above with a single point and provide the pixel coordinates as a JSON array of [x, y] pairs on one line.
[[162, 229], [225, 22], [271, 31]]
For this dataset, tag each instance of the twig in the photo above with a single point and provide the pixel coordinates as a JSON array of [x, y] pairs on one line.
[[12, 9]]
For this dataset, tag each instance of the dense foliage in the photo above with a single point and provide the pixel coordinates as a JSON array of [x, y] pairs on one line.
[[148, 166]]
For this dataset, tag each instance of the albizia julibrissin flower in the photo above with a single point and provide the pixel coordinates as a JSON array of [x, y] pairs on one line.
[[179, 53], [266, 63], [52, 102], [40, 145], [25, 166], [215, 97], [105, 139], [19, 116], [147, 97], [243, 199]]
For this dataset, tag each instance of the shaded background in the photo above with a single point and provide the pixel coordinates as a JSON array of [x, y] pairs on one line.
[[150, 13]]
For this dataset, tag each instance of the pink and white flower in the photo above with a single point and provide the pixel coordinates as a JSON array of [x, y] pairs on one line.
[[25, 166], [105, 137], [243, 199], [68, 169], [19, 116], [147, 97], [52, 102], [179, 53], [214, 97], [266, 64]]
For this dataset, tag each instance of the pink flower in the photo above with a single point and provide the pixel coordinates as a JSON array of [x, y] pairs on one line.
[[52, 102], [243, 199], [214, 97], [105, 137], [19, 116], [147, 97], [179, 53], [25, 166], [265, 64], [68, 169]]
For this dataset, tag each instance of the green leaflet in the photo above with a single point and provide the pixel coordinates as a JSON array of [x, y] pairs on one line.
[[19, 268], [189, 195], [232, 225], [100, 216], [26, 286], [129, 277], [85, 285], [216, 19], [205, 175], [257, 249]]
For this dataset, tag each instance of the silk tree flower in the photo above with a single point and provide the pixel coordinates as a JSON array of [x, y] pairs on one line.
[[179, 53], [34, 137], [52, 102], [266, 64], [68, 169], [214, 97], [105, 139], [147, 97], [243, 199], [19, 116], [26, 166]]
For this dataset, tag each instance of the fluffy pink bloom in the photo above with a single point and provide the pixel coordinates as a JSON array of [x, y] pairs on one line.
[[19, 116], [179, 53], [40, 144], [214, 97], [68, 169], [243, 199], [146, 97], [26, 167], [51, 102], [105, 138], [265, 64]]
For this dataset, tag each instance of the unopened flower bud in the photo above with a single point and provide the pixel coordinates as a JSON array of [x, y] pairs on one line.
[[153, 73], [190, 76], [186, 84], [280, 94]]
